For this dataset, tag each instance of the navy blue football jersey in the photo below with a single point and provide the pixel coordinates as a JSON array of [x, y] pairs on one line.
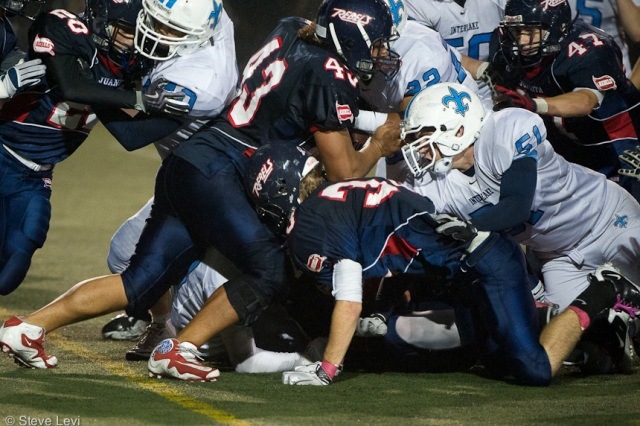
[[385, 227], [290, 89], [38, 124], [589, 58], [8, 38]]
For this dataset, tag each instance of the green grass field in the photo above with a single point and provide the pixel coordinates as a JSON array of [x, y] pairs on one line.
[[99, 187]]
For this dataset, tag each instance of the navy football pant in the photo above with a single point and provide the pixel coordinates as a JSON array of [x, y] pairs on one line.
[[25, 212], [509, 312], [192, 212]]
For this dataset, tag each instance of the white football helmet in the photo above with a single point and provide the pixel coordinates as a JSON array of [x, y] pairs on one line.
[[443, 108], [398, 13], [191, 24]]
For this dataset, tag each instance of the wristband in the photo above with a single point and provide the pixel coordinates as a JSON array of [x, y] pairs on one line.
[[4, 93], [542, 106], [369, 121], [329, 368]]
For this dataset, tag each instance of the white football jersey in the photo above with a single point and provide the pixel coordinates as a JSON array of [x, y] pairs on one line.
[[569, 199], [426, 60], [466, 28], [208, 76], [603, 14]]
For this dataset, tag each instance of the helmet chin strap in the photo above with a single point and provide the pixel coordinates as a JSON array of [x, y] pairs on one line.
[[443, 166], [334, 38]]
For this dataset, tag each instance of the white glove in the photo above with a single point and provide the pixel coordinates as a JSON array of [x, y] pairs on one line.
[[157, 99], [454, 227], [23, 74], [307, 375], [632, 158], [372, 326]]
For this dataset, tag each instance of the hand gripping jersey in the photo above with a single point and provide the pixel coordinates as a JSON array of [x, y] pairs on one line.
[[374, 222], [290, 89], [426, 60], [603, 15], [39, 124], [589, 58], [570, 200]]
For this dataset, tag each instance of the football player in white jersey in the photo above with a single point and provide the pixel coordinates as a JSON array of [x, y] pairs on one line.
[[498, 171], [465, 25], [195, 77], [239, 341], [507, 177], [616, 18], [426, 60]]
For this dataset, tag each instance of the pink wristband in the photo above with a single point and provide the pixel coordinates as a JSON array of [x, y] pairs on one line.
[[329, 368], [583, 318]]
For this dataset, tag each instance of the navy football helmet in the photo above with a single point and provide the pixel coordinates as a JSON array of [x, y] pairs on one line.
[[272, 180], [360, 32], [26, 8], [108, 18], [546, 22]]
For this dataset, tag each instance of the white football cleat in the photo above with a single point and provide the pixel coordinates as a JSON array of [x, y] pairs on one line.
[[24, 343], [179, 360]]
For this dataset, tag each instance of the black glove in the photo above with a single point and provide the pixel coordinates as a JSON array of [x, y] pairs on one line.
[[156, 99], [632, 158], [456, 228], [513, 98]]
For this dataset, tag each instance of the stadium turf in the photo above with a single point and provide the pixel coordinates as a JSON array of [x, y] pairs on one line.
[[94, 192]]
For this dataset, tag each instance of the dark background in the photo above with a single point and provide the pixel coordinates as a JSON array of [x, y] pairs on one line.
[[253, 20]]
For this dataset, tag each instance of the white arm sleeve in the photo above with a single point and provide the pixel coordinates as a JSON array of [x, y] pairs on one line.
[[347, 281]]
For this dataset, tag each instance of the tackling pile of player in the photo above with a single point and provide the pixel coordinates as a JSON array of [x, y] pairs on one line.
[[526, 135]]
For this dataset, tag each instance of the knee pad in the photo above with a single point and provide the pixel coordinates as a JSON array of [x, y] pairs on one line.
[[35, 222], [275, 331], [116, 262], [246, 297]]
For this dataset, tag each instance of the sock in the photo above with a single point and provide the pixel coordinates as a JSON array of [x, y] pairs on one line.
[[161, 319], [594, 300], [583, 317]]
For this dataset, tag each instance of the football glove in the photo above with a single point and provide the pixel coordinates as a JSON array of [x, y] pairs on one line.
[[488, 74], [307, 375], [22, 75], [632, 158], [156, 99], [372, 326], [514, 98], [456, 228]]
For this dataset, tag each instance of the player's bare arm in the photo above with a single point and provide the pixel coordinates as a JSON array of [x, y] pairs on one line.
[[629, 15], [573, 104], [342, 161]]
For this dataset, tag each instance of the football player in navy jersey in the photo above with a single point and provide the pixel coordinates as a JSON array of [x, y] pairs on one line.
[[15, 73], [301, 84], [571, 73], [87, 60], [376, 228]]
